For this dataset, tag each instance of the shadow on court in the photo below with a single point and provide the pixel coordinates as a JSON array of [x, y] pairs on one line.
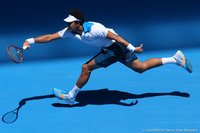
[[105, 96], [12, 116], [93, 97]]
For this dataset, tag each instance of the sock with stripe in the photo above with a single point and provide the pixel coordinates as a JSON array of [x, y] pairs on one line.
[[73, 93]]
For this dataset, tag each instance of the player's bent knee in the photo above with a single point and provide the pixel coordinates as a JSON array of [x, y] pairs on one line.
[[141, 69], [86, 68]]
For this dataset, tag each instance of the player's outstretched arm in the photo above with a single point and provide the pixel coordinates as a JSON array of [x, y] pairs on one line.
[[41, 39]]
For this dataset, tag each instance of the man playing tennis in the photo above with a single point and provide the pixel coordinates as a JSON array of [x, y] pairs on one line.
[[113, 48]]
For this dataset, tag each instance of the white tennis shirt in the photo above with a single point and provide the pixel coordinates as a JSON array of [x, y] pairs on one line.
[[94, 34]]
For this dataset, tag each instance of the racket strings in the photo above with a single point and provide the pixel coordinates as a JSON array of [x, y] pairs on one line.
[[15, 54]]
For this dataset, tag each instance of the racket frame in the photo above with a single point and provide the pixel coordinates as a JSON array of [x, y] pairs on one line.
[[17, 48]]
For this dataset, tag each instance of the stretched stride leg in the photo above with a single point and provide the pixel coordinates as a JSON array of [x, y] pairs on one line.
[[178, 59], [140, 67], [83, 79]]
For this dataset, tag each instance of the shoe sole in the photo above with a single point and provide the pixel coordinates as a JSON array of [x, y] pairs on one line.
[[186, 64]]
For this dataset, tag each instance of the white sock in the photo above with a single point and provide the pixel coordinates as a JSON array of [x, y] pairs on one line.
[[73, 93], [169, 60]]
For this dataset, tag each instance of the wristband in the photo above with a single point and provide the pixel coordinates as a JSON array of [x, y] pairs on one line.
[[130, 47], [30, 40]]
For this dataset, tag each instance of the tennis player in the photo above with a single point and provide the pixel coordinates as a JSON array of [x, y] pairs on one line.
[[113, 48]]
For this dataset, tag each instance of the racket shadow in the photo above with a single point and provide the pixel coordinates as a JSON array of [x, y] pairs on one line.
[[105, 96], [12, 116]]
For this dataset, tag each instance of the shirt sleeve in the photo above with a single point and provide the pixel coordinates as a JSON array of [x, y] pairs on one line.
[[65, 33]]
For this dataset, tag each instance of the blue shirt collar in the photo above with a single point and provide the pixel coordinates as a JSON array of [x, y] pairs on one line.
[[87, 27]]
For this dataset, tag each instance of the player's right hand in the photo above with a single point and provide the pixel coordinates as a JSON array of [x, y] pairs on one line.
[[139, 49], [26, 43]]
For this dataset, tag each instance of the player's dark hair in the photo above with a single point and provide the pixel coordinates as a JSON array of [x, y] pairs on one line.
[[77, 14]]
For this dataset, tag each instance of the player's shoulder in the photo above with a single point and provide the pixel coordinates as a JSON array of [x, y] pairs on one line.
[[96, 25], [93, 24]]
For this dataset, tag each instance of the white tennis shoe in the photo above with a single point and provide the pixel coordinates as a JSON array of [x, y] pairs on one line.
[[63, 95], [182, 61]]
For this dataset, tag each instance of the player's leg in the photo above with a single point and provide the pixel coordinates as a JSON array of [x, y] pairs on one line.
[[178, 59], [85, 74], [140, 67], [103, 59], [83, 79], [87, 68]]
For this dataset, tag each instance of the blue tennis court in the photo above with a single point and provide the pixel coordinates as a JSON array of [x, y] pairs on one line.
[[115, 99]]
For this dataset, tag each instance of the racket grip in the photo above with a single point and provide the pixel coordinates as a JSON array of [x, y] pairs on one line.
[[24, 47]]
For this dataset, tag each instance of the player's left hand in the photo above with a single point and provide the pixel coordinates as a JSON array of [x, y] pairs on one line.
[[139, 49]]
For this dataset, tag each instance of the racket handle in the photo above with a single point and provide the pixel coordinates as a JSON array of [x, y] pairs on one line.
[[25, 47]]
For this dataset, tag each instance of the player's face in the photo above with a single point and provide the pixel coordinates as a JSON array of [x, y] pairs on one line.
[[72, 27]]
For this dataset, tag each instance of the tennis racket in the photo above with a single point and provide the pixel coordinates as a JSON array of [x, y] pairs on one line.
[[15, 53]]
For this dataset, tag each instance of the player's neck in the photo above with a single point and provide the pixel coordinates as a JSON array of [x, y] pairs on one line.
[[80, 30]]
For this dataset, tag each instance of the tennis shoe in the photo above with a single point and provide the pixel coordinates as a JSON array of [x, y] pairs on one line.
[[63, 95], [182, 61]]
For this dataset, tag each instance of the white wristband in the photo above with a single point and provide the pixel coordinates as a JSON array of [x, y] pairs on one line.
[[130, 47], [31, 40]]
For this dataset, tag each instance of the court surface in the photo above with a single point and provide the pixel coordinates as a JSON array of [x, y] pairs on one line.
[[115, 100]]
